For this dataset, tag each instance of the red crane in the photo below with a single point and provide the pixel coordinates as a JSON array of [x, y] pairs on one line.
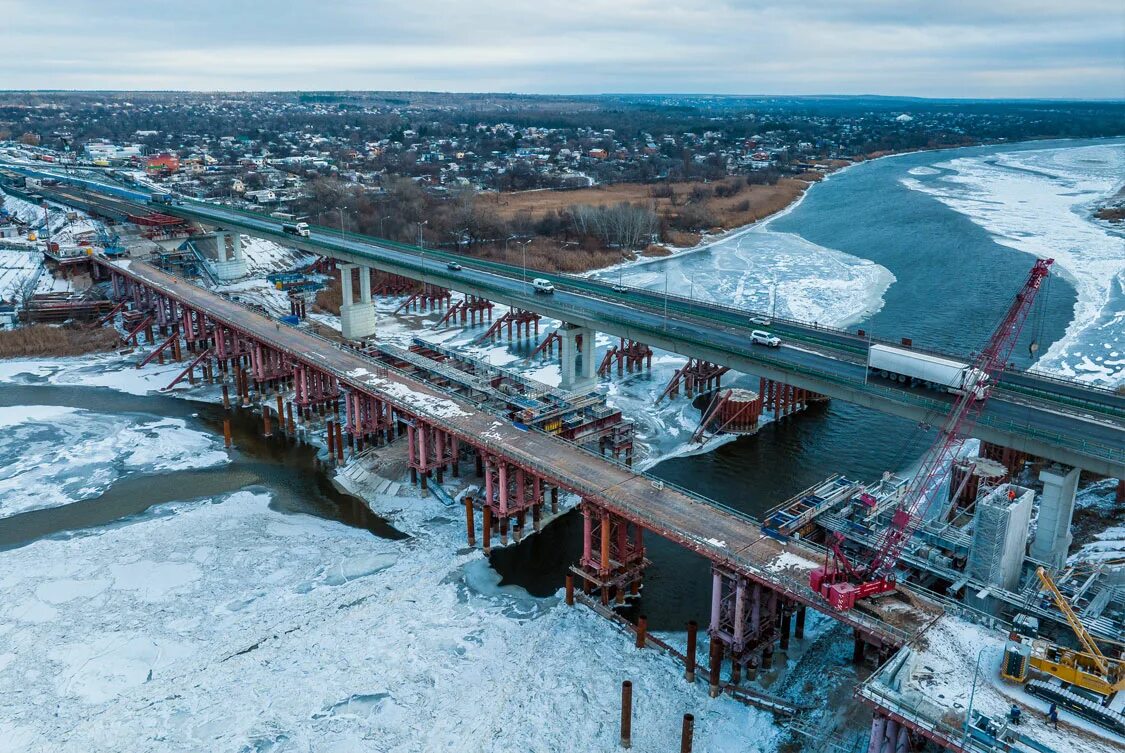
[[840, 581]]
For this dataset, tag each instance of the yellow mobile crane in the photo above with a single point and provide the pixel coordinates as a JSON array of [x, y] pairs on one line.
[[1089, 670]]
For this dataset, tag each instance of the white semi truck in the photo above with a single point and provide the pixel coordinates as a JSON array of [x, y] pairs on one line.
[[934, 372]]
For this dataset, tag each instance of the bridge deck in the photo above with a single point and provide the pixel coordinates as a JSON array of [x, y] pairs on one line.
[[721, 535]]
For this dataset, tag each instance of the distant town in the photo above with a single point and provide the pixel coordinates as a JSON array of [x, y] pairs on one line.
[[641, 172]]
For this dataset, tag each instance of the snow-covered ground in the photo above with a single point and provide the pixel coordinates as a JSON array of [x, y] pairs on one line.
[[224, 625], [22, 210], [266, 256], [20, 271], [960, 660], [52, 456], [1041, 202], [1108, 544]]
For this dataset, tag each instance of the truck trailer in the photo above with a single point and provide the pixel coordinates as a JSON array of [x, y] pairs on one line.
[[933, 372]]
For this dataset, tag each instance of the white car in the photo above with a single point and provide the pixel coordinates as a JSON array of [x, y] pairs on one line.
[[761, 337], [542, 286]]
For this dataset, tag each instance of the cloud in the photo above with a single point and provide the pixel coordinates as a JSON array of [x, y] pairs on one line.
[[954, 48]]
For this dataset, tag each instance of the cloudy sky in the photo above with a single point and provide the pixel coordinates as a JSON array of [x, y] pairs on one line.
[[939, 48]]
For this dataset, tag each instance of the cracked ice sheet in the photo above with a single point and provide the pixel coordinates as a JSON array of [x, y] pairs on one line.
[[265, 631], [1041, 202], [112, 370], [52, 456]]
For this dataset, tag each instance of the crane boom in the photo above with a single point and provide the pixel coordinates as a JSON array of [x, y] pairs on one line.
[[1075, 623], [834, 579]]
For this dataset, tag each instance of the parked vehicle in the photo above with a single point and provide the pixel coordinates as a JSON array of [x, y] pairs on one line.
[[299, 228], [453, 266], [541, 285], [909, 367], [761, 337]]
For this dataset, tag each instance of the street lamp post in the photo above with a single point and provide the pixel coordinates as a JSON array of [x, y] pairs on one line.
[[382, 232], [523, 253], [666, 297], [972, 694], [422, 251]]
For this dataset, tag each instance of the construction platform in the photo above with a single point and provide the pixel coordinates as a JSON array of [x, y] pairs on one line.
[[583, 418], [945, 686]]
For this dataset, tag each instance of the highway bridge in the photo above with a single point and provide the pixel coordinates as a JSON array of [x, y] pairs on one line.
[[1062, 420]]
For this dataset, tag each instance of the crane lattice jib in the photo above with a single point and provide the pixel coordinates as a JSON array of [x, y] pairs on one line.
[[1075, 623], [983, 372]]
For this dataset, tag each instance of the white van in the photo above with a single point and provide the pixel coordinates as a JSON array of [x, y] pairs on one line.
[[541, 285]]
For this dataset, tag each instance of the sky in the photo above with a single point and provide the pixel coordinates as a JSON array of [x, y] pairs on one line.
[[942, 48]]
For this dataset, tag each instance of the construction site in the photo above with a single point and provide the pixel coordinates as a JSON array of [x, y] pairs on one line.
[[983, 624]]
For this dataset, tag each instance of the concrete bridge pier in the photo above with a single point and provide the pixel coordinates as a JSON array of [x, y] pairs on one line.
[[357, 318], [568, 351], [1056, 508], [230, 261]]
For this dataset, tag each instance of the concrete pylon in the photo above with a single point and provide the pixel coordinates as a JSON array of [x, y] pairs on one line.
[[230, 261], [568, 351], [1056, 507], [357, 318]]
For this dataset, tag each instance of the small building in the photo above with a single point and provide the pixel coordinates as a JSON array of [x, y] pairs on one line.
[[164, 164]]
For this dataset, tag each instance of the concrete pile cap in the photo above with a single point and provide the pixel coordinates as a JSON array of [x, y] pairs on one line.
[[739, 395], [986, 468]]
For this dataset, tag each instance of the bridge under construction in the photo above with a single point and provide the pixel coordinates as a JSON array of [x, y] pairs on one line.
[[759, 585]]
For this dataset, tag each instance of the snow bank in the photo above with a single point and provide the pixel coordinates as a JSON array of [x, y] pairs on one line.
[[266, 256]]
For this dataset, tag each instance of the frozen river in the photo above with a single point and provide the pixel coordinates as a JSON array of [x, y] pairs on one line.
[[164, 593]]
